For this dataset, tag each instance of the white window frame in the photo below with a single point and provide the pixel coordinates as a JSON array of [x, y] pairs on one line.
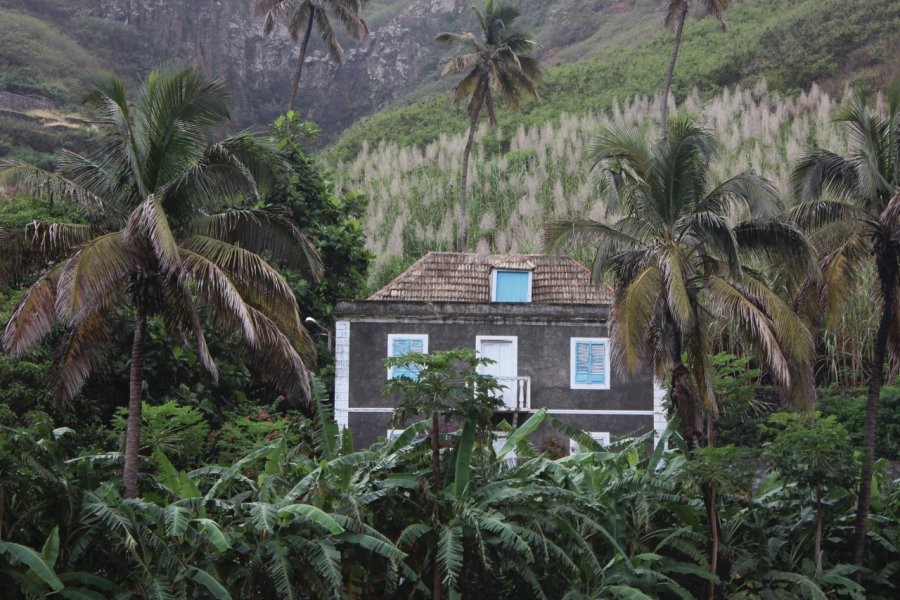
[[404, 336], [573, 363], [494, 273], [601, 437]]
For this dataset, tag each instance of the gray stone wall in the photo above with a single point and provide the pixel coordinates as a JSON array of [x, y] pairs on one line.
[[626, 409]]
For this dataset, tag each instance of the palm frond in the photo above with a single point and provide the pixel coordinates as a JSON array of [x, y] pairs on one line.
[[632, 316], [328, 36], [221, 296], [149, 225], [39, 182], [281, 359], [268, 230], [84, 348], [33, 317], [259, 284], [90, 278], [181, 315]]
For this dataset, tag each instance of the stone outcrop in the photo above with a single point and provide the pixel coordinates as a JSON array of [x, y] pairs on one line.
[[225, 37]]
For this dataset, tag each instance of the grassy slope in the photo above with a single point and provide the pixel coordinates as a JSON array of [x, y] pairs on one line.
[[37, 57], [51, 52], [790, 43]]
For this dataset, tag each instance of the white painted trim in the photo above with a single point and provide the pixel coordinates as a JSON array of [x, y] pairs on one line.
[[660, 419], [573, 345], [405, 336], [494, 281], [483, 320], [601, 437], [342, 373], [393, 434], [623, 413], [552, 411]]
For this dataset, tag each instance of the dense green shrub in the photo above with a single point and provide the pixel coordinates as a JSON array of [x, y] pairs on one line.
[[849, 407]]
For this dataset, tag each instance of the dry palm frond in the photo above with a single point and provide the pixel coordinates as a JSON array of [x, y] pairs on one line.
[[90, 278]]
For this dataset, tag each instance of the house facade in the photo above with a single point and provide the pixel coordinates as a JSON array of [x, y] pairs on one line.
[[539, 318]]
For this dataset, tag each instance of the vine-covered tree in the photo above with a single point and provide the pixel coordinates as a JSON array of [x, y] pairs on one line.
[[498, 61], [157, 246], [855, 201], [301, 15]]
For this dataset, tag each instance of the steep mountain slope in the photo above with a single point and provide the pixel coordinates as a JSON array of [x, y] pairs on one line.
[[791, 44], [50, 46]]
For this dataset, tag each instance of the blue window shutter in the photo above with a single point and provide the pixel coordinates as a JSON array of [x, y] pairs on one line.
[[583, 362], [512, 286], [402, 347], [590, 363], [598, 363]]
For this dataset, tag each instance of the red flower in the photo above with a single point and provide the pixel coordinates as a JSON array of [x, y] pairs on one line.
[[282, 398], [248, 417], [230, 440], [212, 436], [268, 420]]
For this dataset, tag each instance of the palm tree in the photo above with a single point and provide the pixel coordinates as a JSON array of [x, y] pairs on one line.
[[675, 16], [301, 15], [498, 61], [156, 245], [856, 198], [678, 263]]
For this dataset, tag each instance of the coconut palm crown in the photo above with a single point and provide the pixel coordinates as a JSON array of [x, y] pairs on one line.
[[301, 15], [678, 258], [157, 243], [852, 204], [498, 62]]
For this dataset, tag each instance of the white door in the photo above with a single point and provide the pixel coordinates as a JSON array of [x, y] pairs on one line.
[[505, 367]]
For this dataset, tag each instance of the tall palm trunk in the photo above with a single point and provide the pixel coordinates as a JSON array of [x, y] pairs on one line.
[[133, 431], [462, 239], [887, 275], [436, 589], [711, 499], [820, 525], [295, 83], [687, 405], [667, 87]]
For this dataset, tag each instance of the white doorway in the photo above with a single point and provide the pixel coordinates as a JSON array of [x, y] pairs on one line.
[[503, 350]]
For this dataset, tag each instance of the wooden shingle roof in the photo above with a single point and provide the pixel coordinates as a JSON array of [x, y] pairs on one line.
[[466, 277]]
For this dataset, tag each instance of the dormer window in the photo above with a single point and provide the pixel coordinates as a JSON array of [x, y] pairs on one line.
[[510, 286]]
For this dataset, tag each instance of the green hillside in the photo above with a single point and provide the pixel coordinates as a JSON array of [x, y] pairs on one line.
[[47, 50], [791, 44]]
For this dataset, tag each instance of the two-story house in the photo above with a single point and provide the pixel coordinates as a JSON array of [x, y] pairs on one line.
[[539, 318]]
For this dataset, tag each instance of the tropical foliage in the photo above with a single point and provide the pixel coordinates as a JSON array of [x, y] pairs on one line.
[[156, 243], [319, 520], [751, 240]]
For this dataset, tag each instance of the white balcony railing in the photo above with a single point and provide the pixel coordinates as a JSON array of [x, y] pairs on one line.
[[516, 392]]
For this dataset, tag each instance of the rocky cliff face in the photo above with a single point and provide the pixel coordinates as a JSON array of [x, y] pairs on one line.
[[225, 37]]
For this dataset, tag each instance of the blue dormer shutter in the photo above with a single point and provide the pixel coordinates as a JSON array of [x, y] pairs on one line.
[[590, 362], [402, 347], [512, 286]]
